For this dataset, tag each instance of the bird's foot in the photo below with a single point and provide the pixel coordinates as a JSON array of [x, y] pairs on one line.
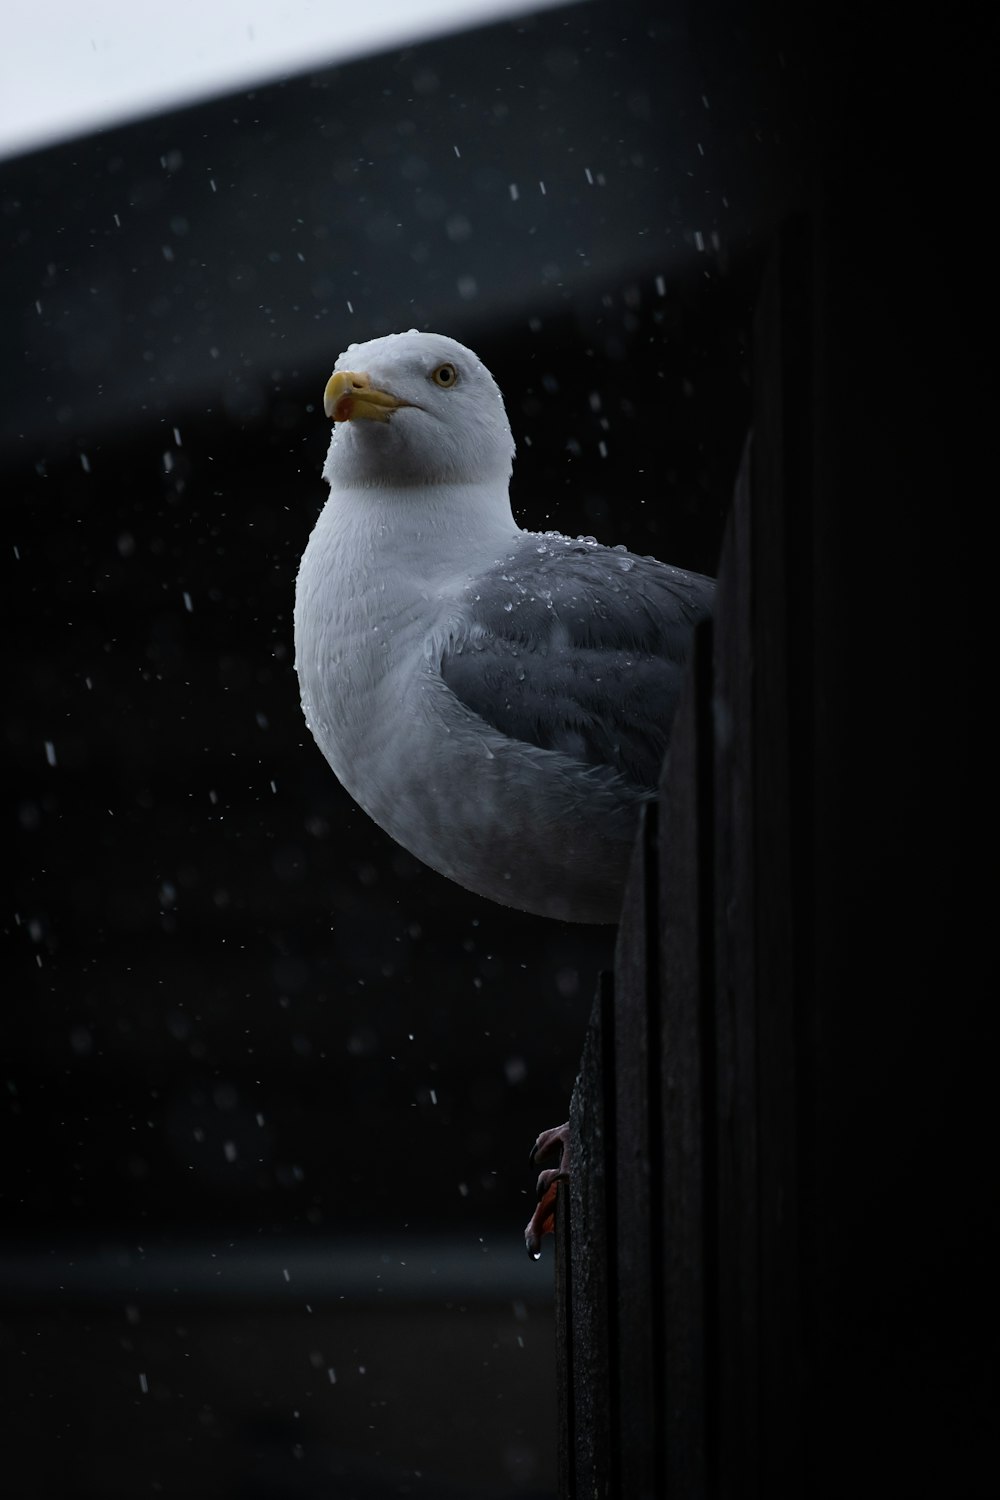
[[551, 1145]]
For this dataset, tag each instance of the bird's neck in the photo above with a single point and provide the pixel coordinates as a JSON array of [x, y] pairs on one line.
[[427, 532]]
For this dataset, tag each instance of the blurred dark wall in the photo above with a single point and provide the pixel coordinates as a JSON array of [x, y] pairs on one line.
[[218, 257], [244, 1022], [202, 912]]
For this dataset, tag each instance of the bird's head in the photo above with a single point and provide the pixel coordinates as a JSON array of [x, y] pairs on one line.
[[415, 408]]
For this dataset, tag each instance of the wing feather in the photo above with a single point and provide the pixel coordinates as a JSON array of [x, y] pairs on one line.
[[577, 647]]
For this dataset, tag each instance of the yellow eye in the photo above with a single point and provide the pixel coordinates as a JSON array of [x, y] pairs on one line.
[[445, 375]]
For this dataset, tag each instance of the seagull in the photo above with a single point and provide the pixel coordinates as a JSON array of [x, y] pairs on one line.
[[498, 700]]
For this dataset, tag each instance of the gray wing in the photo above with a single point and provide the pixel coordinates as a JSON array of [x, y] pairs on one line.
[[576, 647]]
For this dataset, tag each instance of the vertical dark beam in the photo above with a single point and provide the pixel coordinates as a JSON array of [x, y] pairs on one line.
[[763, 798], [783, 504], [687, 1092], [639, 1175], [732, 1304], [904, 1087], [565, 1349], [593, 1260], [897, 1113]]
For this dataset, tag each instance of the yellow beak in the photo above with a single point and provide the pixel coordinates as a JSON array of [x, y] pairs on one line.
[[350, 395]]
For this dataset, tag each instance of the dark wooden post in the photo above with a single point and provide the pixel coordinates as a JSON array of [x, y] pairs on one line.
[[763, 697], [686, 1331], [784, 1279], [679, 1272], [591, 1470], [638, 1175]]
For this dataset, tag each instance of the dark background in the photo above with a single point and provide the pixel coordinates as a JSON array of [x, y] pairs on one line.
[[270, 1084]]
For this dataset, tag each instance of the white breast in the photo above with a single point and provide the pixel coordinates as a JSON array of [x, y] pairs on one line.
[[380, 576], [377, 590]]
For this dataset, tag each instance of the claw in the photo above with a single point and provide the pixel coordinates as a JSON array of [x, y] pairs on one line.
[[548, 1143], [553, 1146], [542, 1221]]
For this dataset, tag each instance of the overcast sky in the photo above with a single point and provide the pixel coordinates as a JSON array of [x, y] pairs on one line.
[[68, 67]]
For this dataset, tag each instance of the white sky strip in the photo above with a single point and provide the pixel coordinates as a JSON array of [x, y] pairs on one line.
[[67, 69]]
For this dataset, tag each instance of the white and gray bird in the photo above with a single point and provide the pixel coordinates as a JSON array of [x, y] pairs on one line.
[[498, 700]]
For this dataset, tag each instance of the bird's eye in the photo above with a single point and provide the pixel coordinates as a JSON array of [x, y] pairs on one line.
[[445, 375]]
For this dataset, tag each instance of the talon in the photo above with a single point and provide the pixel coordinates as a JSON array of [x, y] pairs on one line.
[[551, 1145], [548, 1179], [542, 1221]]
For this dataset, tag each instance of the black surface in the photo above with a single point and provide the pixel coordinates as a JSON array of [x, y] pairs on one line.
[[236, 1008]]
